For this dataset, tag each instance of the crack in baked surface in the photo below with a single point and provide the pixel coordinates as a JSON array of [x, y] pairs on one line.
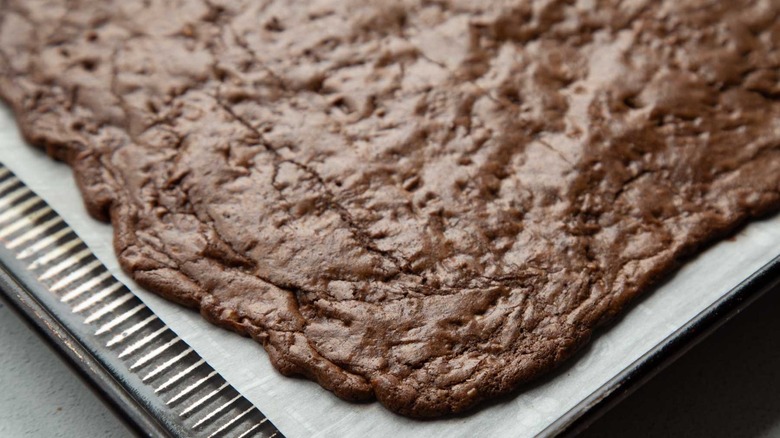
[[426, 203]]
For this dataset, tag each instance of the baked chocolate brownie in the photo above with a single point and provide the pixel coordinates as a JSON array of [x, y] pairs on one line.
[[423, 202]]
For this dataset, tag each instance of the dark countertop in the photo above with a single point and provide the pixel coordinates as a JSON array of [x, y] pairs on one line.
[[726, 386]]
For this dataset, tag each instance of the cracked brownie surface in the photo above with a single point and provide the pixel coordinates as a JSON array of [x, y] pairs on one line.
[[423, 202]]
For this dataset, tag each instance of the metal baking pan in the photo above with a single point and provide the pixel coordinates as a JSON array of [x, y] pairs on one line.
[[166, 381], [160, 384]]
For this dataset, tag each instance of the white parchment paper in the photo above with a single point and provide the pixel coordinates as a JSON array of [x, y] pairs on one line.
[[301, 409]]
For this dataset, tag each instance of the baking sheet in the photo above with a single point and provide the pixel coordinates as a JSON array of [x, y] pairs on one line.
[[300, 408]]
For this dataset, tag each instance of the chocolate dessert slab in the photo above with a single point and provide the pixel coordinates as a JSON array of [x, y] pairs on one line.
[[429, 204]]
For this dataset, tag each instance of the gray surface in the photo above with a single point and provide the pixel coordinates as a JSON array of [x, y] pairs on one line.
[[40, 396]]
